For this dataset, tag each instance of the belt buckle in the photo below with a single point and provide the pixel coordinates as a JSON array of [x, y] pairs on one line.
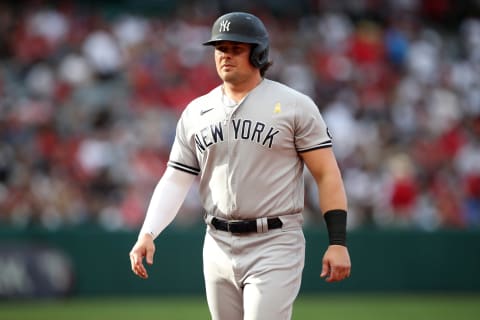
[[232, 227]]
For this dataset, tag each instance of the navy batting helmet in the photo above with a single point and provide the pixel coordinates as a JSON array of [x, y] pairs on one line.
[[246, 28]]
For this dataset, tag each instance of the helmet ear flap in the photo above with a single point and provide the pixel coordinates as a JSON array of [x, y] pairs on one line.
[[259, 55]]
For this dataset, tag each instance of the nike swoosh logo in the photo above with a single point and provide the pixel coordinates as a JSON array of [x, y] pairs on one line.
[[202, 112]]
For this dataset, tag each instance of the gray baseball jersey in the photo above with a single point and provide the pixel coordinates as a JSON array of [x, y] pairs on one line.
[[247, 154]]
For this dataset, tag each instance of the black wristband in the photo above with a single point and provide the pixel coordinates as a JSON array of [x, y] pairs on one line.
[[337, 226]]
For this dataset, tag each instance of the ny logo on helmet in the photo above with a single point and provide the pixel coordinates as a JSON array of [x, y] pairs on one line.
[[224, 26]]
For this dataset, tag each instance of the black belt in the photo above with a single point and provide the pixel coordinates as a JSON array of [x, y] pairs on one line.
[[244, 226]]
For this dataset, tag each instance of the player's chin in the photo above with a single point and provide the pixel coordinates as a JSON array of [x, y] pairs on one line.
[[227, 76]]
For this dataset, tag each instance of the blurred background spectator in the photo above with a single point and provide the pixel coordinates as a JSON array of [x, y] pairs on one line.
[[90, 96]]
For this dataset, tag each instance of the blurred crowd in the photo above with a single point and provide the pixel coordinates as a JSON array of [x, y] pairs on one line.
[[89, 102]]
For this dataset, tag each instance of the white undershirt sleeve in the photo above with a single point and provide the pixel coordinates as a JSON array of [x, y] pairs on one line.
[[166, 200]]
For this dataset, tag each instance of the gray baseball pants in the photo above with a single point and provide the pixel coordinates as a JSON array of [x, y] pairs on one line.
[[254, 276]]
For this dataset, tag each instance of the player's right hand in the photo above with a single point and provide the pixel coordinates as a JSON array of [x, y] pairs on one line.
[[144, 247]]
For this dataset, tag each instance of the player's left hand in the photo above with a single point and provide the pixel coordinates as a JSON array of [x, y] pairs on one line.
[[336, 264]]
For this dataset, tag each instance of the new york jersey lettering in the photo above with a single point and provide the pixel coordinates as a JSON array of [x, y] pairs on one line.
[[254, 131], [208, 136], [242, 130]]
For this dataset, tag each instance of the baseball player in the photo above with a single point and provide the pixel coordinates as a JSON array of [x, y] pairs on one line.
[[248, 140]]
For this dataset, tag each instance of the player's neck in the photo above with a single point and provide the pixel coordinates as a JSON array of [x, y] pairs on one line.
[[238, 91]]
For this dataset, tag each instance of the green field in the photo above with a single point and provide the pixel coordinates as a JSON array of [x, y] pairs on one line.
[[331, 307]]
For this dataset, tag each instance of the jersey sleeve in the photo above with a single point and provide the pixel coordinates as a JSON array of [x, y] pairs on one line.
[[182, 155], [311, 131]]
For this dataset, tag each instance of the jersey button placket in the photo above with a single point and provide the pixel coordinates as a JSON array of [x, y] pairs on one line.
[[232, 155], [229, 155]]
